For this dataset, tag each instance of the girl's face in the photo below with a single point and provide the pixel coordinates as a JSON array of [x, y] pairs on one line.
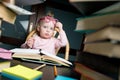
[[46, 30]]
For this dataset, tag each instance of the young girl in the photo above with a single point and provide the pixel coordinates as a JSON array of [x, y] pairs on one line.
[[44, 38]]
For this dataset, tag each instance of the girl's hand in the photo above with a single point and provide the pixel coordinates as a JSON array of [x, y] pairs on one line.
[[30, 42], [59, 25]]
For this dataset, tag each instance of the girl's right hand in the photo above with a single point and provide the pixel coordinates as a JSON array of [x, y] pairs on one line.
[[30, 42]]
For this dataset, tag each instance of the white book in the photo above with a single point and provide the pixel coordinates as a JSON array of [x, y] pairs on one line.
[[18, 10], [25, 52]]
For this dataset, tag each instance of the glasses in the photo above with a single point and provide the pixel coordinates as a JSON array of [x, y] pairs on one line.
[[48, 19]]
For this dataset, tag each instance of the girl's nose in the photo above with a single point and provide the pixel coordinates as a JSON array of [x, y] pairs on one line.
[[48, 29]]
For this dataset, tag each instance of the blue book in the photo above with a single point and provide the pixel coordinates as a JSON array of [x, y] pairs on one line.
[[59, 77]]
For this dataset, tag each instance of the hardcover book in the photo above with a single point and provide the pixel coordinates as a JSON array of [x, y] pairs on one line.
[[17, 10], [89, 74], [6, 14], [94, 22], [103, 48], [111, 32], [102, 64]]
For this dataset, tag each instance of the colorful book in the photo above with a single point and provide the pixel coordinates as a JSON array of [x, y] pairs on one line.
[[20, 72], [60, 77]]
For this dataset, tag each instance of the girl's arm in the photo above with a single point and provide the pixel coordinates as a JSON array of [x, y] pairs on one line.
[[62, 41], [28, 44]]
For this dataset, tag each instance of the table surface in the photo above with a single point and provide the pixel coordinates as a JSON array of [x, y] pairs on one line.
[[48, 70]]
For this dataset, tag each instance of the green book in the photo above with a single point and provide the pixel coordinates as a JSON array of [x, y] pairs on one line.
[[20, 72], [95, 22]]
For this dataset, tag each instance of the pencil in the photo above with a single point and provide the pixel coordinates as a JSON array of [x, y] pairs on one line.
[[41, 66], [55, 71]]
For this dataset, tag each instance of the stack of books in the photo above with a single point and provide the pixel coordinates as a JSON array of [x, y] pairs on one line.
[[100, 48], [5, 58], [104, 41]]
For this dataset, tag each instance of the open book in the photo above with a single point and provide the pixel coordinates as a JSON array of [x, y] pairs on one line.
[[40, 56]]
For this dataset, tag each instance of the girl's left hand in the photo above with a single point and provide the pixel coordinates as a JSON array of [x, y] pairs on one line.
[[59, 25]]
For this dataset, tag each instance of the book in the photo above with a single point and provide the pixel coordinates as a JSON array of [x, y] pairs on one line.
[[95, 22], [103, 48], [18, 10], [112, 8], [103, 64], [6, 14], [28, 2], [5, 54], [5, 58], [60, 77], [88, 7], [4, 63], [109, 32], [38, 55], [20, 72], [89, 74]]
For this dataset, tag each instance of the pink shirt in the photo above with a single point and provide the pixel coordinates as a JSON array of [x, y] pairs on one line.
[[49, 45]]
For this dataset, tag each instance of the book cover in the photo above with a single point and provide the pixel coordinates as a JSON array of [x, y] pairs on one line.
[[20, 72], [103, 48], [111, 32], [94, 22], [90, 74]]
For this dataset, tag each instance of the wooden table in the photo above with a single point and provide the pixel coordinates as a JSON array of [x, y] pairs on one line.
[[48, 72]]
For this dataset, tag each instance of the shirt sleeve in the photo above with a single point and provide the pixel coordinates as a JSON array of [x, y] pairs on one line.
[[62, 40], [24, 45]]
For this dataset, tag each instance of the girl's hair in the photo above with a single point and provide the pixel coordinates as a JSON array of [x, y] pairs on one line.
[[47, 19]]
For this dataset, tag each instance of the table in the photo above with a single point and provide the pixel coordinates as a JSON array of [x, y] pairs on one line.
[[48, 72]]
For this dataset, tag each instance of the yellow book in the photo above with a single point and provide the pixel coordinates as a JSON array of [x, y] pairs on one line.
[[20, 72]]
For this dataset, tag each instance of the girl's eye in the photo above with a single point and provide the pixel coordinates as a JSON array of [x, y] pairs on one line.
[[51, 28], [44, 26]]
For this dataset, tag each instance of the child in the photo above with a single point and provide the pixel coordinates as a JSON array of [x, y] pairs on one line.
[[44, 38]]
